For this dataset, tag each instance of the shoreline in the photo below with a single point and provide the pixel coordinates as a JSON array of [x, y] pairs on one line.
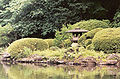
[[83, 62]]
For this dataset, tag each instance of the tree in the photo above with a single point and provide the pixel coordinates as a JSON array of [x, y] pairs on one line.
[[41, 18]]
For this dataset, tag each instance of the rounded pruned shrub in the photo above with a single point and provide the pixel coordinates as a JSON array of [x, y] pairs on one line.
[[86, 38], [107, 40], [91, 24], [50, 42], [17, 48]]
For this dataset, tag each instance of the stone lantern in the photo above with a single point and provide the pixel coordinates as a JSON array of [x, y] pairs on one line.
[[77, 32]]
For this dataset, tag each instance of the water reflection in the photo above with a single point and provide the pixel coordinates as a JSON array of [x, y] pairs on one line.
[[42, 71]]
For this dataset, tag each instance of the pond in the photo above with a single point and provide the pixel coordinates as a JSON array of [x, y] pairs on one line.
[[42, 71]]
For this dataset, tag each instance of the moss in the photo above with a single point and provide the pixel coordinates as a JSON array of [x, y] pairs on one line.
[[86, 38], [107, 40], [16, 49], [50, 42]]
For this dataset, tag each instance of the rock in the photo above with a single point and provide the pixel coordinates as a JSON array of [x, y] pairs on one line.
[[111, 62], [75, 45], [25, 60], [88, 61], [6, 55], [61, 62], [36, 57], [118, 64], [113, 57], [71, 63]]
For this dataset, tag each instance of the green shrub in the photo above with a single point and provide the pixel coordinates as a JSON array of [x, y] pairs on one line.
[[54, 48], [116, 22], [81, 52], [90, 47], [50, 42], [86, 38], [67, 43], [5, 35], [88, 42], [17, 48], [87, 25], [61, 36], [107, 40], [91, 24]]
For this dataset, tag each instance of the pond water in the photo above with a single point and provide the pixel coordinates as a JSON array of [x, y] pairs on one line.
[[39, 71]]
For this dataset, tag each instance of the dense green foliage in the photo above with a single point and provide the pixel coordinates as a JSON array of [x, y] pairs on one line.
[[86, 39], [6, 35], [116, 22], [61, 35], [37, 18], [19, 47], [107, 40]]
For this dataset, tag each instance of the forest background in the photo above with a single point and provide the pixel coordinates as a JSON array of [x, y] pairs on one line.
[[41, 18]]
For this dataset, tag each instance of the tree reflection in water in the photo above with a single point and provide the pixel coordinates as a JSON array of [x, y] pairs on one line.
[[42, 71]]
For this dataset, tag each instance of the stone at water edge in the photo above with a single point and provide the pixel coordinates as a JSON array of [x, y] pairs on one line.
[[6, 55], [75, 45], [113, 56]]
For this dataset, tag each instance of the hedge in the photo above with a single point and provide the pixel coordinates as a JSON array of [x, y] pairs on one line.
[[50, 42], [86, 38], [91, 24], [107, 40], [17, 48]]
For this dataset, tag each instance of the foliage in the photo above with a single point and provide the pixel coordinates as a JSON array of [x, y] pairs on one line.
[[91, 24], [26, 52], [59, 53], [107, 40], [86, 38], [88, 42], [76, 53], [50, 42], [44, 17], [6, 36], [116, 22], [61, 35], [67, 43], [90, 47], [18, 47], [54, 48]]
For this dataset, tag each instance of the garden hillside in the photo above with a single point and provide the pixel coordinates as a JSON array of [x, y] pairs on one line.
[[98, 44], [37, 30]]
